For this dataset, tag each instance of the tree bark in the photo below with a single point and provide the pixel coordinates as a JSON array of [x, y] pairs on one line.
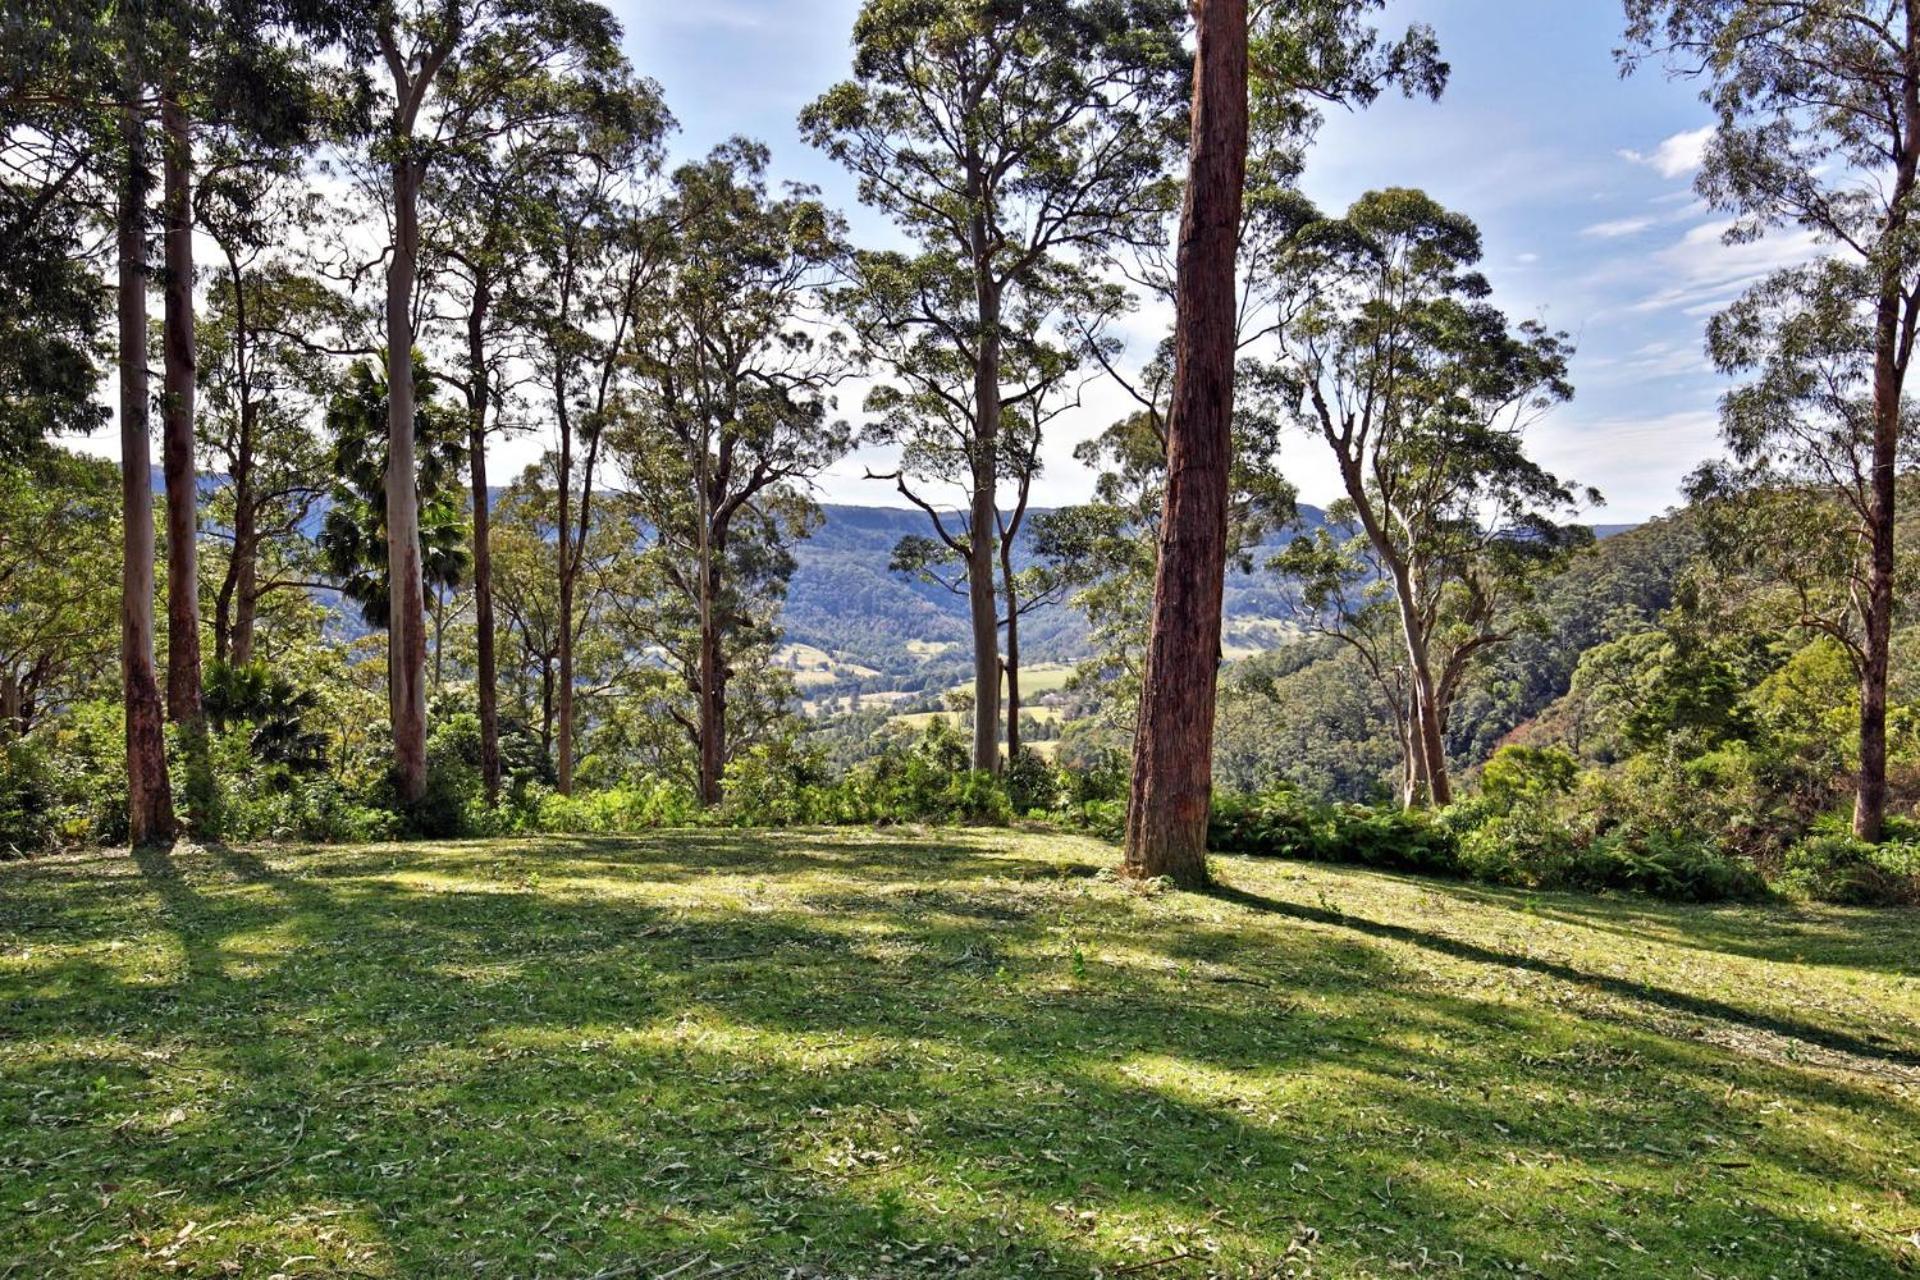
[[1890, 354], [486, 672], [406, 633], [1173, 742], [149, 795], [246, 591], [1012, 663], [713, 711], [1431, 784], [984, 516], [176, 416], [1870, 795], [564, 765]]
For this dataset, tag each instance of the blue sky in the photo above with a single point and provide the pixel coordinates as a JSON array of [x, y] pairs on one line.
[[1580, 182]]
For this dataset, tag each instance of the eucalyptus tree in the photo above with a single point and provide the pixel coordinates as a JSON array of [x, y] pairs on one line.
[[730, 420], [494, 201], [75, 100], [1041, 380], [599, 251], [149, 791], [1024, 588], [1818, 108], [1793, 511], [1016, 145], [261, 385], [1172, 781], [1423, 392], [56, 151], [239, 77], [265, 348], [1290, 55], [446, 63]]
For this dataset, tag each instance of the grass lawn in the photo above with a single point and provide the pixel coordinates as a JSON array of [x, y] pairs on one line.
[[932, 1054]]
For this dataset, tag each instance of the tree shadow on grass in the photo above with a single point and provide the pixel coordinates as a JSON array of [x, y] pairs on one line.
[[1869, 1048], [1882, 939], [484, 1070]]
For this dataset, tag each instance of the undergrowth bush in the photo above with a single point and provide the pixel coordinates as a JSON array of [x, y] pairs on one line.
[[1835, 867], [1518, 836]]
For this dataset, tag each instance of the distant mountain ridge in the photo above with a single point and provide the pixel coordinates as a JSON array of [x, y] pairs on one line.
[[845, 600]]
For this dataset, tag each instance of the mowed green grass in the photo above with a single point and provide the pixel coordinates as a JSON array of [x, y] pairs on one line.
[[931, 1053]]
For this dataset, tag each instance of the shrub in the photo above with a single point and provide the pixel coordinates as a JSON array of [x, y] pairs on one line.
[[1282, 823], [1675, 865], [1832, 867], [27, 798], [1032, 783], [1104, 818], [1526, 844], [1515, 772], [642, 806]]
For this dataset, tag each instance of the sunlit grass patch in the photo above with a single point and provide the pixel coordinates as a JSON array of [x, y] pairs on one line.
[[907, 1052]]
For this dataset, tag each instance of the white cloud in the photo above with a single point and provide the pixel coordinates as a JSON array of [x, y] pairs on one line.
[[1700, 271], [1637, 463], [1675, 156], [1617, 227]]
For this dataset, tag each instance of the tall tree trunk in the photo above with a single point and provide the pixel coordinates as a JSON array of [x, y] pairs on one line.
[[984, 514], [176, 415], [149, 795], [713, 711], [13, 717], [564, 764], [1012, 663], [1870, 795], [486, 674], [407, 632], [1431, 785], [546, 705], [1173, 742], [1413, 763], [246, 587]]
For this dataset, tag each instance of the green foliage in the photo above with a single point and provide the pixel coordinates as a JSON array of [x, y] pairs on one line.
[[1834, 867], [1517, 772], [1524, 841], [195, 780], [27, 797], [1534, 845], [1283, 823], [277, 711], [354, 535], [640, 807]]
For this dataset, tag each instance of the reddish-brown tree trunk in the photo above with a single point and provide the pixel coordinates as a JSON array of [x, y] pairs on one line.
[[149, 795], [176, 417], [406, 631], [1173, 741]]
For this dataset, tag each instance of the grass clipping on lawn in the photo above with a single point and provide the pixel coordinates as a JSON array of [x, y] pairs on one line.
[[932, 1053]]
